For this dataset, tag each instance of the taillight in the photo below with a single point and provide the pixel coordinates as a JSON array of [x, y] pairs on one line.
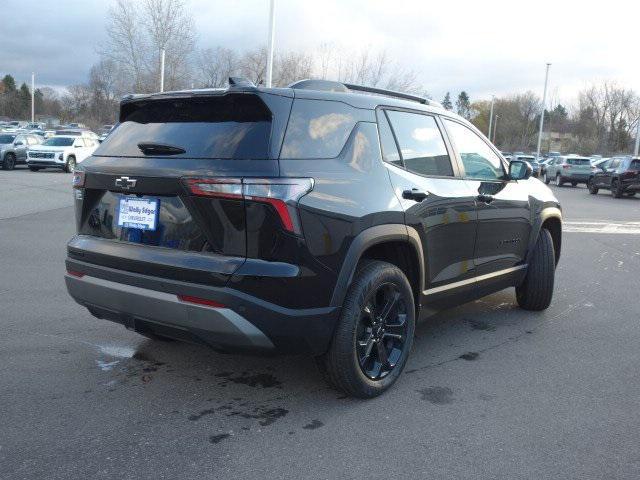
[[213, 187], [73, 273], [78, 179], [281, 193], [566, 166]]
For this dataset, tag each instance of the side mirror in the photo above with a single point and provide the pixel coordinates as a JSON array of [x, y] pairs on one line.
[[77, 146], [519, 170], [17, 144]]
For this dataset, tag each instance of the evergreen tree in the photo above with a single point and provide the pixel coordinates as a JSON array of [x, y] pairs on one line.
[[446, 102], [463, 105], [9, 83]]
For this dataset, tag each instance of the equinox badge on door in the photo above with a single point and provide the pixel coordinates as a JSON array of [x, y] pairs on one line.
[[126, 183]]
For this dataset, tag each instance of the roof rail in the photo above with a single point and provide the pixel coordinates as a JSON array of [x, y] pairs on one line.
[[332, 86]]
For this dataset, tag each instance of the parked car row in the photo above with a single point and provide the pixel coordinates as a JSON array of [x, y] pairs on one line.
[[620, 175], [60, 151]]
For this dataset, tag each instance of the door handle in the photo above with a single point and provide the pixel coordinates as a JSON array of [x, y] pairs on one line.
[[485, 198], [414, 194]]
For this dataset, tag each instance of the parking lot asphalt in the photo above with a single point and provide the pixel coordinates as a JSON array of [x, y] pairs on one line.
[[490, 391]]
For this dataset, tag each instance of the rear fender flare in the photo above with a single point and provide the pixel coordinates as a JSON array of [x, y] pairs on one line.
[[368, 238]]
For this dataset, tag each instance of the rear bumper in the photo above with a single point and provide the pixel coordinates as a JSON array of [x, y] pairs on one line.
[[245, 324], [576, 177]]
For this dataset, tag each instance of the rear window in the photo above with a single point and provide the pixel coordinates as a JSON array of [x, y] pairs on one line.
[[226, 127], [635, 165], [317, 129], [578, 161]]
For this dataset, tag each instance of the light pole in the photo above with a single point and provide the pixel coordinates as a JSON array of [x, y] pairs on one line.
[[635, 150], [544, 103], [495, 127], [493, 97], [272, 31], [33, 97], [162, 70]]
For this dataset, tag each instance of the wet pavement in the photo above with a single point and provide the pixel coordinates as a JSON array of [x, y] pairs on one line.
[[490, 391]]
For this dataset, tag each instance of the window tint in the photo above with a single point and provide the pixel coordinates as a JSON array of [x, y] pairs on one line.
[[317, 129], [232, 126], [479, 160], [579, 161], [387, 142], [421, 145]]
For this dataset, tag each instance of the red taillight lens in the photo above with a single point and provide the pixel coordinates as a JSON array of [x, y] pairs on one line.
[[281, 193], [566, 166], [216, 187], [73, 273], [200, 301], [78, 179]]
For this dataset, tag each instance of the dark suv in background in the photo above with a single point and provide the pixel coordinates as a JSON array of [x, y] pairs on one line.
[[621, 175], [323, 218]]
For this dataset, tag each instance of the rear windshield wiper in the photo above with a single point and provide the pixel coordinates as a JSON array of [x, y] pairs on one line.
[[149, 148]]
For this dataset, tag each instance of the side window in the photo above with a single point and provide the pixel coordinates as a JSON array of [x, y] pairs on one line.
[[615, 163], [317, 129], [21, 138], [387, 143], [422, 147], [479, 160]]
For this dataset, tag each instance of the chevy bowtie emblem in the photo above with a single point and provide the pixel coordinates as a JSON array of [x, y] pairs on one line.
[[126, 183]]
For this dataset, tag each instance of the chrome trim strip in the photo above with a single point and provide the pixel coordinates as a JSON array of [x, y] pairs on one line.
[[468, 281]]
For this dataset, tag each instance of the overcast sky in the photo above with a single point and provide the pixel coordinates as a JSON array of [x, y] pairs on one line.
[[482, 47]]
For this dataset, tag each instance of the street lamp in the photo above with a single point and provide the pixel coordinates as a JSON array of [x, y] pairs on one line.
[[544, 103], [162, 70], [493, 97], [33, 97], [495, 127], [272, 29]]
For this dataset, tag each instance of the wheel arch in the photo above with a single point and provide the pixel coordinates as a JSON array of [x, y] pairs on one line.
[[393, 243], [551, 220]]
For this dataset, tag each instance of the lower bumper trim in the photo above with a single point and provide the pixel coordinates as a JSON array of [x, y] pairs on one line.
[[141, 308]]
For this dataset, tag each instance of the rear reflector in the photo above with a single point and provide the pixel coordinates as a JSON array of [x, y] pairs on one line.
[[73, 273], [200, 301], [282, 194]]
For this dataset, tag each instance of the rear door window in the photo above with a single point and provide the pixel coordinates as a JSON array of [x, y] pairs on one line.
[[387, 142], [579, 161], [422, 147], [317, 129], [634, 165], [233, 126]]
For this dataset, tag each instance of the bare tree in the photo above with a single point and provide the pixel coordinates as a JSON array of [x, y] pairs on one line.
[[216, 65], [292, 66], [253, 65]]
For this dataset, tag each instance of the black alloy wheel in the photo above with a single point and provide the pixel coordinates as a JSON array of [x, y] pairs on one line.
[[381, 333]]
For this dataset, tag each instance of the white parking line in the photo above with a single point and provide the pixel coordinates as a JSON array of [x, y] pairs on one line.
[[629, 228]]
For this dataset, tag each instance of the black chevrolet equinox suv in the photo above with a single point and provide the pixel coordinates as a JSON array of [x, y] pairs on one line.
[[323, 218]]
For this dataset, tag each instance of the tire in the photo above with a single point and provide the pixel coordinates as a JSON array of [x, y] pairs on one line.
[[70, 166], [546, 178], [593, 190], [34, 169], [559, 181], [9, 161], [616, 189], [630, 194], [361, 339], [574, 184], [536, 290]]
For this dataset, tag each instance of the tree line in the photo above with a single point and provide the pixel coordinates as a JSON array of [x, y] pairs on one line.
[[603, 120]]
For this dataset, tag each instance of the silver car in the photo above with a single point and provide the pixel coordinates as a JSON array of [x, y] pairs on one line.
[[567, 169], [14, 147]]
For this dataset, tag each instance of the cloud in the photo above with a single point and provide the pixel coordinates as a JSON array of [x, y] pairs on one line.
[[487, 47]]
